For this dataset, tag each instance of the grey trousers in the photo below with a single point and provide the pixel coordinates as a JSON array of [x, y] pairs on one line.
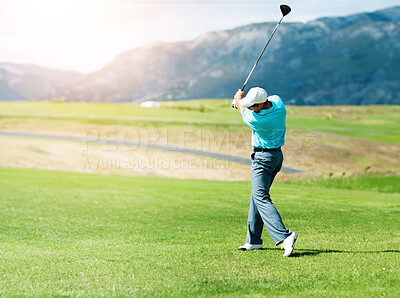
[[264, 167]]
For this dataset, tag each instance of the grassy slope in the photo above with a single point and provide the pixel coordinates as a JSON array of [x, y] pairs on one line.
[[376, 123], [71, 234]]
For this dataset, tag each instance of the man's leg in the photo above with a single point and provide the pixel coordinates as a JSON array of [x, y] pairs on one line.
[[254, 225], [264, 168]]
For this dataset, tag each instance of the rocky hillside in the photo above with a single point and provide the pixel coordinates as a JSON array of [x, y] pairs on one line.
[[345, 60]]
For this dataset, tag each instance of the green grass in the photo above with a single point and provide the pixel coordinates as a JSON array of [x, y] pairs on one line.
[[376, 183], [375, 123], [76, 234], [128, 114]]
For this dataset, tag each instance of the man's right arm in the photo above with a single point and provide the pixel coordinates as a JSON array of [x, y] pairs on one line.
[[238, 96]]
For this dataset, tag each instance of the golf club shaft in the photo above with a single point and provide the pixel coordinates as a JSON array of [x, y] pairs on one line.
[[273, 32]]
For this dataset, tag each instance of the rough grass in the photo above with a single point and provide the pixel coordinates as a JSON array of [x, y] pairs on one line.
[[81, 234], [110, 159], [320, 141]]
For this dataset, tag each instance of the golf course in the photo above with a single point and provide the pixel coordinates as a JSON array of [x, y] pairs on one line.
[[199, 149], [72, 226]]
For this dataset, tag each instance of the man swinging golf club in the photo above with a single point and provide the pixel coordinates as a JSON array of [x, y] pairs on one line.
[[267, 118]]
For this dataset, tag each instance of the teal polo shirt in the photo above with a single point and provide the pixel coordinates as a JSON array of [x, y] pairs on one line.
[[269, 126]]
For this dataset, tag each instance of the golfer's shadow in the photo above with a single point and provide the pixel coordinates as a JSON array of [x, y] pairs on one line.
[[314, 252]]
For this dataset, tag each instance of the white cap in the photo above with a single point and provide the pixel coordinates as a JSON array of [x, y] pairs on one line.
[[254, 96]]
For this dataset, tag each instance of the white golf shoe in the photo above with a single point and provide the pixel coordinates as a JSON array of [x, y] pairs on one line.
[[288, 244], [249, 246]]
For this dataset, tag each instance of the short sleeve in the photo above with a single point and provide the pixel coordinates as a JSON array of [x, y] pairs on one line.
[[249, 118]]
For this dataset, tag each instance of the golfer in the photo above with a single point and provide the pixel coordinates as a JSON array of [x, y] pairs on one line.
[[266, 116]]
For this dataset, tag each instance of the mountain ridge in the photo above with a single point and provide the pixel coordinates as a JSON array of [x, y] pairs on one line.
[[31, 81], [336, 60]]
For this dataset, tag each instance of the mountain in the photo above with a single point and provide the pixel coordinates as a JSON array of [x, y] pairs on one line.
[[28, 81], [341, 60]]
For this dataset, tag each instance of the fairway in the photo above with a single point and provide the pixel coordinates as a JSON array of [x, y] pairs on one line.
[[86, 234]]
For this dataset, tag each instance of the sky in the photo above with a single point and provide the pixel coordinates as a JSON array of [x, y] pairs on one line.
[[85, 35]]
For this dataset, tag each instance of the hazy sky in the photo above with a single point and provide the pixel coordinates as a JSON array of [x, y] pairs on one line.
[[84, 35]]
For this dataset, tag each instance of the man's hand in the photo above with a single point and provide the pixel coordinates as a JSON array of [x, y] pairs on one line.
[[238, 96]]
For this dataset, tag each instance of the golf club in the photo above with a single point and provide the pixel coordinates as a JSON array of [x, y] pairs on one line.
[[285, 9]]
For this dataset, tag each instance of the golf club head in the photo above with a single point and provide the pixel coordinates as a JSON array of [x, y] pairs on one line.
[[285, 9]]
